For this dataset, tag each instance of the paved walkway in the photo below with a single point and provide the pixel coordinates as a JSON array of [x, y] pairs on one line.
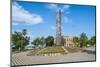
[[65, 49], [92, 49], [23, 59]]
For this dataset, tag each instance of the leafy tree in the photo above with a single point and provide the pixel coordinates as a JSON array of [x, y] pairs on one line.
[[20, 40], [83, 40], [39, 42], [92, 41], [36, 42], [15, 40], [49, 41], [76, 41]]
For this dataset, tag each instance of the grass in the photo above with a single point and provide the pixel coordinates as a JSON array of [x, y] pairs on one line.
[[54, 49]]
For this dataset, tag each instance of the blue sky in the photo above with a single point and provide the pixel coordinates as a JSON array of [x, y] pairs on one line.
[[40, 18]]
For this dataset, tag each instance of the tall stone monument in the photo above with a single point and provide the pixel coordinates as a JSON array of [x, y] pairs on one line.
[[58, 28]]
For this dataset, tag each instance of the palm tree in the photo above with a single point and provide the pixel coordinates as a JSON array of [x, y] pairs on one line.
[[24, 32]]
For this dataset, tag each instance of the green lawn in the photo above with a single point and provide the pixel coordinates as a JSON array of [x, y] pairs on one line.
[[54, 49]]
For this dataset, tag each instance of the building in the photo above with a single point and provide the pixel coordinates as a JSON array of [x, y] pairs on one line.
[[68, 41]]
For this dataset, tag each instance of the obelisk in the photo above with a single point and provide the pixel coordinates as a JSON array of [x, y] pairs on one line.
[[58, 27]]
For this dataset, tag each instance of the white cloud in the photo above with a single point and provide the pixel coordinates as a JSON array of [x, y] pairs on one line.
[[65, 8], [19, 14], [55, 7], [52, 6]]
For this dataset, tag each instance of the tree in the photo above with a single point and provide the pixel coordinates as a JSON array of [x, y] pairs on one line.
[[83, 40], [62, 41], [76, 41], [15, 40], [20, 40], [24, 32], [49, 41], [42, 42], [39, 42], [92, 41], [36, 42]]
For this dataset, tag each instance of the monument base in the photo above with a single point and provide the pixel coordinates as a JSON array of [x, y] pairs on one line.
[[51, 51]]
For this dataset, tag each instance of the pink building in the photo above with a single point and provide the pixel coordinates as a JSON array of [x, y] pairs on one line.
[[68, 41]]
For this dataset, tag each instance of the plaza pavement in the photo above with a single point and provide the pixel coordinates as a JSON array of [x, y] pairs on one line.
[[23, 59]]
